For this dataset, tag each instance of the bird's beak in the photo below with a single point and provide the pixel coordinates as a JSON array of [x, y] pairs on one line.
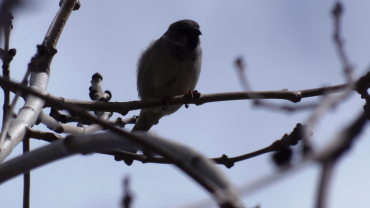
[[196, 31]]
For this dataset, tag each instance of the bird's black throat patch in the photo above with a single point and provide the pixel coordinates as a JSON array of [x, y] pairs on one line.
[[193, 42]]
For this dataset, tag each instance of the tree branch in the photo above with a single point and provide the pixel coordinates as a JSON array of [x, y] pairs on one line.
[[325, 179], [26, 176], [124, 107], [286, 141], [332, 101], [42, 135], [6, 55], [258, 99], [219, 187], [148, 144], [64, 118], [340, 144], [127, 197], [57, 127], [39, 68]]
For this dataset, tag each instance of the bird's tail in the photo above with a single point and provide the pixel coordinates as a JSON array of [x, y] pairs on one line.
[[145, 121]]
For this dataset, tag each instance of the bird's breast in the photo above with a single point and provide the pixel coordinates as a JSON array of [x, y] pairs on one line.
[[182, 72]]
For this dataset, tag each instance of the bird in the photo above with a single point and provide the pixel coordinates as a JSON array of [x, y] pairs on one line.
[[170, 66]]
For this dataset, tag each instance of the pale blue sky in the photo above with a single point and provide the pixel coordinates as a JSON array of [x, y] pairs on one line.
[[286, 44]]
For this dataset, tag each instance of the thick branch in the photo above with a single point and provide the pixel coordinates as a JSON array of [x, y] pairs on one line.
[[222, 190], [39, 68], [6, 55]]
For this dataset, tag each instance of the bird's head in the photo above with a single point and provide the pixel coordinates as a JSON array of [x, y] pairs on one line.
[[184, 32]]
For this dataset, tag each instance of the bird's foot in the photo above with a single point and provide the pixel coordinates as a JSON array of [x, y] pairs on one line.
[[193, 94]]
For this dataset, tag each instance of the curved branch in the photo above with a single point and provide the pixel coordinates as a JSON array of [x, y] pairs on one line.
[[222, 190], [39, 68]]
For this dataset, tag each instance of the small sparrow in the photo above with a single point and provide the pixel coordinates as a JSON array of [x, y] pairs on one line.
[[170, 66]]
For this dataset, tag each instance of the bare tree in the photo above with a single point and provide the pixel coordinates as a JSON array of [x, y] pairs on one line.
[[98, 133]]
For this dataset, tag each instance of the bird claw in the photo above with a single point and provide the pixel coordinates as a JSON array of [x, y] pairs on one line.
[[193, 94]]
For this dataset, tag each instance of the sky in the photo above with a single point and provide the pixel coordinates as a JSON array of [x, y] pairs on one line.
[[285, 44]]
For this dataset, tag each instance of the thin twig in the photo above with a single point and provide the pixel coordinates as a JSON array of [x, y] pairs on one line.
[[342, 142], [122, 122], [325, 179], [259, 99], [338, 40], [57, 127], [124, 107], [223, 160], [120, 155], [64, 118], [127, 197], [331, 101], [42, 135], [286, 141], [26, 176]]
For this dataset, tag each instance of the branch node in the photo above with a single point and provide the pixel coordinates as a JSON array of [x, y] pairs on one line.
[[127, 198], [225, 160], [290, 140], [337, 10], [298, 98], [96, 92], [282, 157], [362, 86], [97, 75], [76, 7]]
